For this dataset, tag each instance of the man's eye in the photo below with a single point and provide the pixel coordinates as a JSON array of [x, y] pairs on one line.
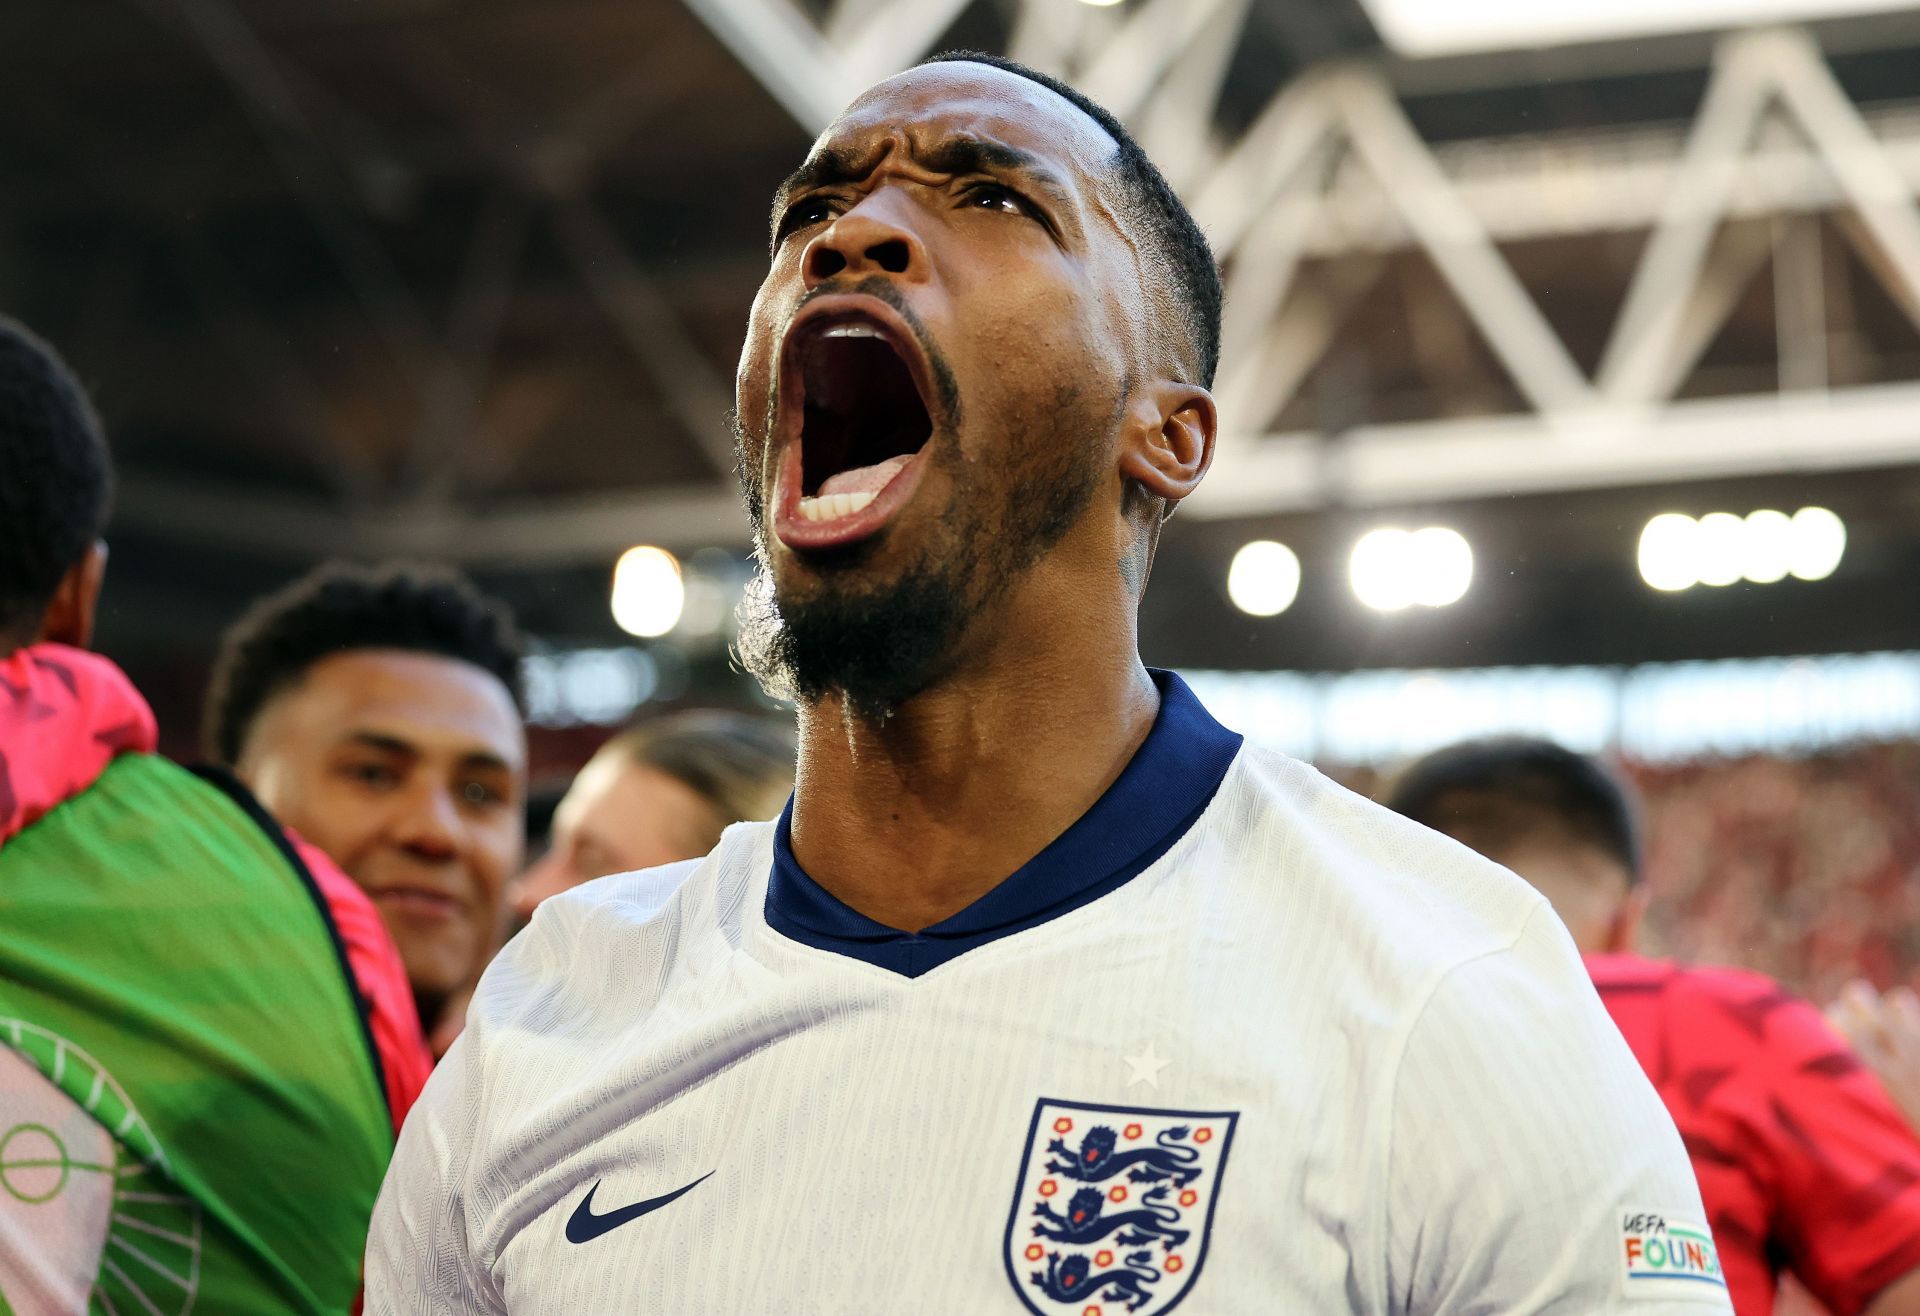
[[805, 214], [992, 196], [371, 774], [479, 794]]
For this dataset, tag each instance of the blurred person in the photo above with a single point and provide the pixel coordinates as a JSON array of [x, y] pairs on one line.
[[968, 1029], [377, 712], [193, 1109], [659, 793], [1805, 1165]]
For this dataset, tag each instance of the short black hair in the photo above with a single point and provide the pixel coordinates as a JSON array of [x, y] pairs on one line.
[[1168, 225], [55, 477], [1512, 783], [341, 607]]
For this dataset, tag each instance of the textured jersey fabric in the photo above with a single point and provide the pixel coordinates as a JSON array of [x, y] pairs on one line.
[[1803, 1160], [1290, 1054]]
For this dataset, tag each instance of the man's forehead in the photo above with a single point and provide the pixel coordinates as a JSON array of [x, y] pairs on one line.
[[418, 698], [937, 102]]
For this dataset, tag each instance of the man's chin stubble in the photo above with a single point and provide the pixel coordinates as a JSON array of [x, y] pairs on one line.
[[875, 647]]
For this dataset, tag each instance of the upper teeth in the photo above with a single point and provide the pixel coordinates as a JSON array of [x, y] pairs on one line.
[[852, 331], [831, 507]]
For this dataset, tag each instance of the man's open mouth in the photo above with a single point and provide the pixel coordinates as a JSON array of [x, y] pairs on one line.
[[854, 419]]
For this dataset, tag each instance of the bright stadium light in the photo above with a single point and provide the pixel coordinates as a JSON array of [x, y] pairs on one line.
[[1392, 569], [1667, 554], [1819, 542], [1719, 548], [648, 592], [1678, 552], [1454, 27], [1767, 555], [1264, 579], [1378, 570], [1440, 562]]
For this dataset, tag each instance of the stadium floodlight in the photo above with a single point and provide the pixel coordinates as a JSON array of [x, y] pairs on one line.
[[1678, 552], [648, 592], [1720, 549], [1767, 555], [1819, 542], [1378, 570], [1440, 562], [1667, 555], [1393, 569], [1456, 27], [1264, 579]]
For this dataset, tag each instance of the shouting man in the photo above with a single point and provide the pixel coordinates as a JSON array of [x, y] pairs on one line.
[[1045, 993]]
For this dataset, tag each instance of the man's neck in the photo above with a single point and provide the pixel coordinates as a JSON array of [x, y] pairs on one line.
[[912, 820]]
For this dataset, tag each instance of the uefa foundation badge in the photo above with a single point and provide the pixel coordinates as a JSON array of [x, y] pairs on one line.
[[1113, 1207], [1664, 1256]]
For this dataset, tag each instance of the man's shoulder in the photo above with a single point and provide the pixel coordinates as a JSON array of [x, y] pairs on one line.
[[1422, 900], [617, 940]]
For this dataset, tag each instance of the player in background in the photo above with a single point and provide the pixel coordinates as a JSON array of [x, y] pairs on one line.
[[191, 1103], [376, 711], [1804, 1163], [1046, 993], [661, 792]]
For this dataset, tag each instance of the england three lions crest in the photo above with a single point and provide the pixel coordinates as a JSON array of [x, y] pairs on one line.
[[1113, 1207]]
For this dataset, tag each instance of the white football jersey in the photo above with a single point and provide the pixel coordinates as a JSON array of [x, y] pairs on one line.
[[1238, 1039]]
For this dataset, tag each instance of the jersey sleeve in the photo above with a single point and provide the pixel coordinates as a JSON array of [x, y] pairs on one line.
[[1846, 1164], [1531, 1165], [420, 1258]]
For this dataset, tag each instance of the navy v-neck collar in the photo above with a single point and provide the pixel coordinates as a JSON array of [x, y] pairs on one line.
[[1160, 794]]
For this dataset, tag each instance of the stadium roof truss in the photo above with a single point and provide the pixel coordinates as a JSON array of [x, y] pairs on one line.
[[1274, 197], [1333, 177]]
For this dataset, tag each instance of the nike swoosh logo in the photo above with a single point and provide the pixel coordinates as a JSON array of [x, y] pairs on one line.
[[584, 1226]]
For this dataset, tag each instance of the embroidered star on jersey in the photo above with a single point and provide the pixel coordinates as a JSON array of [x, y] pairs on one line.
[[1146, 1067]]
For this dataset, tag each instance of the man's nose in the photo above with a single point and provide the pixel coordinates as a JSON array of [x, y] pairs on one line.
[[431, 826], [866, 240]]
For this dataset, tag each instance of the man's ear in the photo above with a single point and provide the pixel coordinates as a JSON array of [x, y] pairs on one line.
[[1623, 937], [69, 615], [1166, 443]]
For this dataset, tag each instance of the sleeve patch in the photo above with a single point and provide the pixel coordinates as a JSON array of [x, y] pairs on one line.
[[1667, 1257]]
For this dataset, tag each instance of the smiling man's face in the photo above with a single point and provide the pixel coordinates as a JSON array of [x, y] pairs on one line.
[[409, 771], [934, 371]]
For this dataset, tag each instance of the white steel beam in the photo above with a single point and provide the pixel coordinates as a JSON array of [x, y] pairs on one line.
[[590, 529], [1175, 128], [1869, 179], [1437, 461], [782, 48], [1460, 245]]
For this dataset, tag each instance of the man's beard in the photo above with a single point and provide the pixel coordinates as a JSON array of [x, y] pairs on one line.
[[878, 645]]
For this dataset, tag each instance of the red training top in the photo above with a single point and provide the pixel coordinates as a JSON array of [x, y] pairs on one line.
[[1804, 1162]]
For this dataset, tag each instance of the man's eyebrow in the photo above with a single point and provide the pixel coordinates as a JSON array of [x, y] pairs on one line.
[[485, 761], [975, 155], [951, 155], [482, 760], [828, 167], [386, 744]]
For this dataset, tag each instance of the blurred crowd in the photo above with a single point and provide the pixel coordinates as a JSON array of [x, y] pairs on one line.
[[1804, 869]]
